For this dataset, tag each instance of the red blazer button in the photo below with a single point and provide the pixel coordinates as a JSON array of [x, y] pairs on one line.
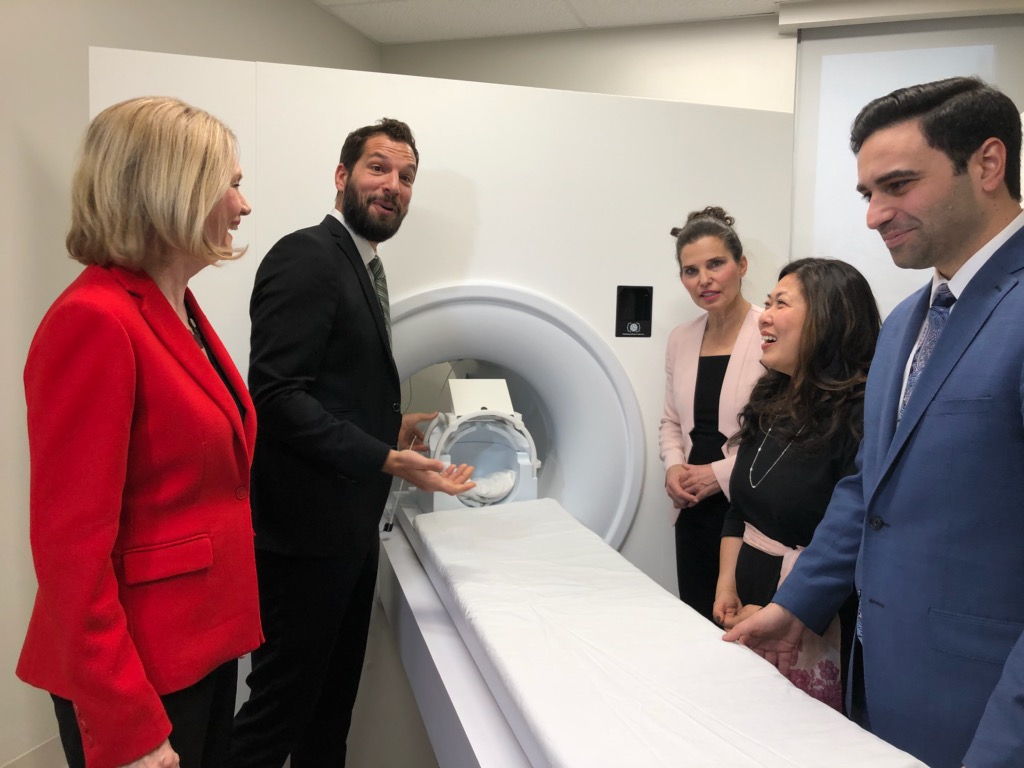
[[241, 492]]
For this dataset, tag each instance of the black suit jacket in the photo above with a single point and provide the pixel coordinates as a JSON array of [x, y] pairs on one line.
[[327, 396]]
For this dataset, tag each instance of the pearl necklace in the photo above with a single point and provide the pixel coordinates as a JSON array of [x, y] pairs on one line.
[[750, 472]]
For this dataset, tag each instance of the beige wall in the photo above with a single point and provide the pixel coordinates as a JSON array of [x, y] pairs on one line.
[[44, 96], [741, 63], [44, 91]]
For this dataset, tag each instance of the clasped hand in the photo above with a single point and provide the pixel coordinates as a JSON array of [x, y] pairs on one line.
[[728, 611], [688, 484]]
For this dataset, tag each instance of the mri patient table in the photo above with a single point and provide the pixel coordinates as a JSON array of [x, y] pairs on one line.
[[528, 641]]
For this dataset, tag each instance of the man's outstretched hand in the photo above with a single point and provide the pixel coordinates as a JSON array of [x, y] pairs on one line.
[[429, 474]]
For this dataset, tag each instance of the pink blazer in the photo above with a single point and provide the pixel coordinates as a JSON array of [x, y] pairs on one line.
[[140, 523], [681, 383]]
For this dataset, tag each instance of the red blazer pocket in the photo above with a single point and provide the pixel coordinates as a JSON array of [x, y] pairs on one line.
[[162, 561]]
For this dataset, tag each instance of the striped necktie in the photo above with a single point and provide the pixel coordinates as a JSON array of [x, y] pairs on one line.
[[380, 285], [938, 313]]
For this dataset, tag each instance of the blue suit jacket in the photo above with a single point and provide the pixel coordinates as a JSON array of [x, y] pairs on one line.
[[932, 529]]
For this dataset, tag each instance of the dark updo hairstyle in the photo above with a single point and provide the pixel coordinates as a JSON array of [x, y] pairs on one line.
[[713, 221], [824, 397]]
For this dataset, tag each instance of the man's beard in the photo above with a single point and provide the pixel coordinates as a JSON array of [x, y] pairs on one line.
[[358, 217]]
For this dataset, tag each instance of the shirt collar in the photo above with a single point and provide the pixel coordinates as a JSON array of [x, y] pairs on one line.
[[366, 251], [973, 265]]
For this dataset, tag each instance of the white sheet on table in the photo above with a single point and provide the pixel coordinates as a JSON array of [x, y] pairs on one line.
[[606, 668]]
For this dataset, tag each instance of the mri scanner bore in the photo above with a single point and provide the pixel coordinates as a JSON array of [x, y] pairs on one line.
[[576, 401]]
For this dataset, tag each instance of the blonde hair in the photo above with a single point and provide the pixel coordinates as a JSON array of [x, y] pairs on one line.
[[150, 172]]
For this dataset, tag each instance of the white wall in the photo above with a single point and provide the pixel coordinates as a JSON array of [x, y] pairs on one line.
[[749, 63], [44, 91], [44, 60], [510, 190], [742, 63]]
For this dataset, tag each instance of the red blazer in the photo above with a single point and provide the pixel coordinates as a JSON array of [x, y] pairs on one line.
[[140, 524]]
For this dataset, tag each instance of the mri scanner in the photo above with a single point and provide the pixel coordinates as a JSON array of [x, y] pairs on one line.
[[527, 638], [577, 411]]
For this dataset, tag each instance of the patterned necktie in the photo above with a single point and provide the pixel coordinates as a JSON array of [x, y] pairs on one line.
[[380, 285], [938, 313]]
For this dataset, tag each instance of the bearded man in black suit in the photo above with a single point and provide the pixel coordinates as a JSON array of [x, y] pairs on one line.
[[331, 436]]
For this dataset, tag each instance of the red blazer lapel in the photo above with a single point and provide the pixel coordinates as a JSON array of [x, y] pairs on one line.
[[167, 326], [245, 428]]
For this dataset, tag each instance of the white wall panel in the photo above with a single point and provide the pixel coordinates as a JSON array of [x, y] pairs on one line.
[[561, 193]]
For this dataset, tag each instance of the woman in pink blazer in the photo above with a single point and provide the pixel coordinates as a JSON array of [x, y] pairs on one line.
[[711, 365], [141, 435]]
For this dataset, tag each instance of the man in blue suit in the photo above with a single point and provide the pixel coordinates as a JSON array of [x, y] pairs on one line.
[[931, 529]]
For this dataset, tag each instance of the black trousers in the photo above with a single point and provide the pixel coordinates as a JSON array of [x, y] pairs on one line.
[[698, 533], [200, 718], [316, 615]]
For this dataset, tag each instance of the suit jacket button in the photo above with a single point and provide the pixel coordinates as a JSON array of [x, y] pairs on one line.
[[241, 492], [396, 407], [876, 523]]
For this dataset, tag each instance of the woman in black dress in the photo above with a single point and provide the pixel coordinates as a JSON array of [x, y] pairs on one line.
[[799, 436]]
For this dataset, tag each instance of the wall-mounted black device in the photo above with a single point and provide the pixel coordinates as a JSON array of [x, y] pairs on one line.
[[633, 310]]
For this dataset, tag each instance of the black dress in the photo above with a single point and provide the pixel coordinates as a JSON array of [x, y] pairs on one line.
[[793, 489], [698, 530]]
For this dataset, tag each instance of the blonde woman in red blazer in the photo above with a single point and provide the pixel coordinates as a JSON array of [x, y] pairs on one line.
[[141, 435], [711, 366]]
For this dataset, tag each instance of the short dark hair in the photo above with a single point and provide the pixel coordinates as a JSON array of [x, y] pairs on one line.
[[957, 116], [395, 130], [713, 221], [824, 396]]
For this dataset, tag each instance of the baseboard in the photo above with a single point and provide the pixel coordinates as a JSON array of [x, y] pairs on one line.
[[49, 754]]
